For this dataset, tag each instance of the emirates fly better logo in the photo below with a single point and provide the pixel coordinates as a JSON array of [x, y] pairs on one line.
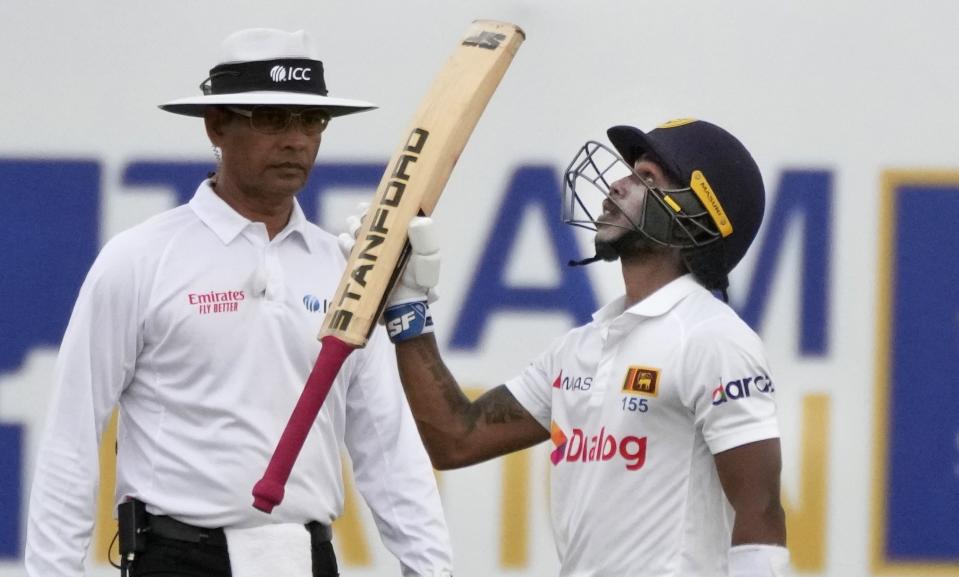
[[580, 447], [214, 302], [283, 73]]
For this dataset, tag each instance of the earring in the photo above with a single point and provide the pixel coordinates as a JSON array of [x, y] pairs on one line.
[[217, 154]]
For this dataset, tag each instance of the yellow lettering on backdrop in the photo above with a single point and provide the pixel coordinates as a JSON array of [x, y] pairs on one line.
[[806, 515], [351, 546], [514, 511], [106, 525]]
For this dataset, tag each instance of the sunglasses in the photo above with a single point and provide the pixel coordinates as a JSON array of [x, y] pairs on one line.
[[274, 119]]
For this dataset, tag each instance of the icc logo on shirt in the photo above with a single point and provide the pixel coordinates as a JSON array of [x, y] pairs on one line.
[[313, 304]]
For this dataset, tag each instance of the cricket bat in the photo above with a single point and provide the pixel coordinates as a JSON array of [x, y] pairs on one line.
[[414, 179]]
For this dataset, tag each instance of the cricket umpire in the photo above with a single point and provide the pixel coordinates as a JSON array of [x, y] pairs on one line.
[[201, 324]]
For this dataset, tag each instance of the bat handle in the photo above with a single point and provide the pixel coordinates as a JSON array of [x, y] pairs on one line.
[[268, 491]]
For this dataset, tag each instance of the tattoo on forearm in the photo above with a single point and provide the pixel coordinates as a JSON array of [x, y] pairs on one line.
[[497, 407], [440, 376]]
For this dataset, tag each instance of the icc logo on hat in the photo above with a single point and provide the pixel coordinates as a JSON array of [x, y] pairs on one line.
[[283, 73]]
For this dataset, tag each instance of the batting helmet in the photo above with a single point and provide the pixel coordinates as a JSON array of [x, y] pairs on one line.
[[725, 198]]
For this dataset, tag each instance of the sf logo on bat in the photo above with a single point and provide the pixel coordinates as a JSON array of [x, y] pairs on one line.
[[488, 40], [380, 223]]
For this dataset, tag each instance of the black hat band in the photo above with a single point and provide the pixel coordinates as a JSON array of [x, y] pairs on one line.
[[282, 75]]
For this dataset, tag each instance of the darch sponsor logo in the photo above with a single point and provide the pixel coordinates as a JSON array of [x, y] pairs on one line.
[[741, 389]]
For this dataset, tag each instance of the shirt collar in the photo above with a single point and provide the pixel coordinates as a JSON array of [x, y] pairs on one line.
[[296, 227], [227, 223], [656, 304]]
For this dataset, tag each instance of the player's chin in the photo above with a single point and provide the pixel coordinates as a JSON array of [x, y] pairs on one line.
[[289, 181], [608, 231], [606, 241], [606, 250]]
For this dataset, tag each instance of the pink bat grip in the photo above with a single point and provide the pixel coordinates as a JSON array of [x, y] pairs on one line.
[[268, 492]]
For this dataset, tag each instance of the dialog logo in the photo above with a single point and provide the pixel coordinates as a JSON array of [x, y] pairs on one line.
[[559, 441], [641, 381], [581, 447]]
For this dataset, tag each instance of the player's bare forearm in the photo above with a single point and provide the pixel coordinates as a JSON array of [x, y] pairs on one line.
[[456, 431], [750, 478], [764, 526]]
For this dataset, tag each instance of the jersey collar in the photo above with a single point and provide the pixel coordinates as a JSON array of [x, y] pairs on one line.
[[656, 304], [227, 224]]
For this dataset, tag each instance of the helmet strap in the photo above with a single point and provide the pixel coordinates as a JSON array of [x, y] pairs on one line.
[[584, 261], [708, 265]]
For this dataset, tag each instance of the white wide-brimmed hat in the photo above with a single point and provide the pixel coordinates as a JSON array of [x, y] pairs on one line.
[[263, 66]]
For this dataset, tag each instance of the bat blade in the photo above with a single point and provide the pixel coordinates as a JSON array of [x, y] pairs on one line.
[[412, 185], [417, 173]]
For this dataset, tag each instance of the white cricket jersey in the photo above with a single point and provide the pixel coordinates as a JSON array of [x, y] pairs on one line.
[[205, 330], [637, 403]]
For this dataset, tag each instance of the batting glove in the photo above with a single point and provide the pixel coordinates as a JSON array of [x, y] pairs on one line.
[[422, 272], [407, 313]]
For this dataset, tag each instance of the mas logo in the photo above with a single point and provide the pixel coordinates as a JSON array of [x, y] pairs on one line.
[[580, 447], [741, 389], [641, 381], [572, 383]]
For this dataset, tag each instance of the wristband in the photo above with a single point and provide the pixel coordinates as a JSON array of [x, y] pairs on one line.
[[758, 561], [405, 321]]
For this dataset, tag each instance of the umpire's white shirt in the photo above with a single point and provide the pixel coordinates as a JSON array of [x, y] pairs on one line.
[[205, 330], [637, 402]]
